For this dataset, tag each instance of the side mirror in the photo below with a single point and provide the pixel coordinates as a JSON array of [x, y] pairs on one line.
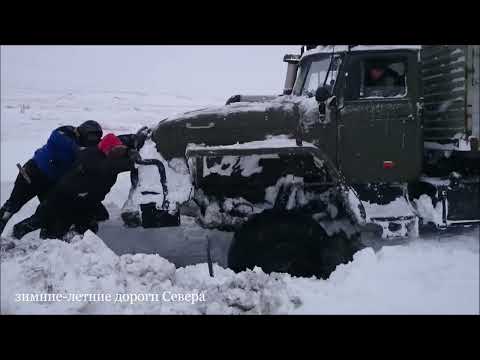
[[330, 103], [322, 94]]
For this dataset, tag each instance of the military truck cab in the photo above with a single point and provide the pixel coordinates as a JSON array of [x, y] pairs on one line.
[[369, 109], [399, 114]]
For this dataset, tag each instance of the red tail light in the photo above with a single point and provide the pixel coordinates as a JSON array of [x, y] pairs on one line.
[[388, 164]]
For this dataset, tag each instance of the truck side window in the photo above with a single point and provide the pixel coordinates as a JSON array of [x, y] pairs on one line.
[[383, 78]]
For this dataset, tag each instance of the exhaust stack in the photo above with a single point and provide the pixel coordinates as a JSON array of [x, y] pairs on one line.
[[292, 69]]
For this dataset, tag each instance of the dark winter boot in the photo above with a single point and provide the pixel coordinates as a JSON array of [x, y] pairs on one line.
[[5, 215], [82, 228], [26, 226], [3, 223], [100, 213], [55, 230], [47, 233], [44, 233]]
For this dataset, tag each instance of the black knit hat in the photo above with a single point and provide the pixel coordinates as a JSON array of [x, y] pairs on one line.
[[90, 133]]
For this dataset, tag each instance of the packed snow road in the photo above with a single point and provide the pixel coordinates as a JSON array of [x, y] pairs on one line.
[[163, 271]]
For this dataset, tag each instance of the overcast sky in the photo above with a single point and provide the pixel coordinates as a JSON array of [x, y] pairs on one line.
[[214, 71]]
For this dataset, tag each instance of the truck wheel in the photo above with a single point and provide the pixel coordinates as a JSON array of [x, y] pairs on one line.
[[289, 243]]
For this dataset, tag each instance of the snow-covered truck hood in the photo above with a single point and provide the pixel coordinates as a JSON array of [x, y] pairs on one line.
[[230, 124], [237, 107]]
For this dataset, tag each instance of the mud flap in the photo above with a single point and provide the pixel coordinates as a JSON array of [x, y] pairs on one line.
[[150, 214], [152, 217]]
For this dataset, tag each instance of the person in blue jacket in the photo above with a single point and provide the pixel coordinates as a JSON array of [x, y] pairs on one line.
[[48, 165]]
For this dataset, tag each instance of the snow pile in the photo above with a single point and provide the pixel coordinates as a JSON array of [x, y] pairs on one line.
[[87, 266], [427, 211], [423, 277]]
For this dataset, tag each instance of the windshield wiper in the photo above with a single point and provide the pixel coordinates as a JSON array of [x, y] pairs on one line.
[[329, 66]]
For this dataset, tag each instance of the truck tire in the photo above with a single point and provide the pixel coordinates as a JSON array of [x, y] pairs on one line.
[[289, 243]]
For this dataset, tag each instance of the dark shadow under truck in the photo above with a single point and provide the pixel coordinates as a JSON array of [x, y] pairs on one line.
[[364, 137]]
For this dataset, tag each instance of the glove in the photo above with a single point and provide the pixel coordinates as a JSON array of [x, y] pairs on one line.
[[141, 136], [134, 155]]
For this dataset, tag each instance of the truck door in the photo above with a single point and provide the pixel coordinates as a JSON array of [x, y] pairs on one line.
[[319, 129], [378, 130]]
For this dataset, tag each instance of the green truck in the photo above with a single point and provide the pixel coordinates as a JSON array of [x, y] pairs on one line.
[[363, 138]]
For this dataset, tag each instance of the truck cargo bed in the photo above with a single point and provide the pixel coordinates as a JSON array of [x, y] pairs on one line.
[[450, 89]]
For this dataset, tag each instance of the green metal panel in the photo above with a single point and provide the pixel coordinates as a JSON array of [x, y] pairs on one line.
[[443, 69]]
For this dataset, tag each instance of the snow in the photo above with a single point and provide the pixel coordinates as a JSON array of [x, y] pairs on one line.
[[271, 193], [399, 96], [238, 107], [176, 171], [378, 214], [356, 206], [461, 144], [395, 208], [308, 109], [279, 141], [427, 211], [423, 277], [432, 274], [248, 164], [435, 181], [344, 48]]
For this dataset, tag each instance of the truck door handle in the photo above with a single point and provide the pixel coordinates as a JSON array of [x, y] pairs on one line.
[[209, 126]]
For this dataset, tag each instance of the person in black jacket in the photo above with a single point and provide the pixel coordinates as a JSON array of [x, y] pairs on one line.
[[48, 164], [75, 197], [53, 160]]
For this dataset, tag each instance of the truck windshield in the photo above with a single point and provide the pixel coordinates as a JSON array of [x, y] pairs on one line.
[[312, 74]]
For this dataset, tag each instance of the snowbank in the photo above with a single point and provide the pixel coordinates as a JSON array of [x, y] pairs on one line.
[[87, 266], [423, 277]]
